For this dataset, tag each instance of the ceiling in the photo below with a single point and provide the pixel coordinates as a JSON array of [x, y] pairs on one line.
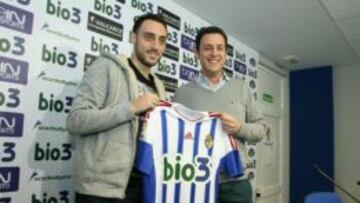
[[316, 32]]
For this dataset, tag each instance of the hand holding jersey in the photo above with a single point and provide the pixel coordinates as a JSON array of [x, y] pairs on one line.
[[144, 103], [230, 124]]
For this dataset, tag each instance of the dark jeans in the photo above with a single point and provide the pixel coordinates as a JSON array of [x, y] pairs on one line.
[[133, 193], [236, 192]]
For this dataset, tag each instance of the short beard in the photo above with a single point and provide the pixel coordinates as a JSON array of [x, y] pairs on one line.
[[142, 59]]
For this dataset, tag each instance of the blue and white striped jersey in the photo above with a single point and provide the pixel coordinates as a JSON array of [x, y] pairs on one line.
[[182, 152]]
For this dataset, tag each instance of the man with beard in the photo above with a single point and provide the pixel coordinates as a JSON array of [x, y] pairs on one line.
[[104, 120]]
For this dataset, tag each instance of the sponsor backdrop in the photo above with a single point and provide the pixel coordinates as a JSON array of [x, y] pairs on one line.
[[45, 47]]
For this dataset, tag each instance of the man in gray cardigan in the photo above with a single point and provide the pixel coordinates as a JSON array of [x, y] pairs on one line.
[[104, 120], [214, 91]]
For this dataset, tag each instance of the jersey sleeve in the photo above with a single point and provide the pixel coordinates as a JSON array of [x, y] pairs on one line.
[[231, 162]]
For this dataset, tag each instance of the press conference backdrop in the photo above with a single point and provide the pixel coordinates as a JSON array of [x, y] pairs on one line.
[[45, 48]]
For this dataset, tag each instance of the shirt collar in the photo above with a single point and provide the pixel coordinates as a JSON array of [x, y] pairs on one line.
[[204, 82]]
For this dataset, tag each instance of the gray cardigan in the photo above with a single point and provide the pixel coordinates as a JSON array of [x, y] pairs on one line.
[[104, 127], [233, 98]]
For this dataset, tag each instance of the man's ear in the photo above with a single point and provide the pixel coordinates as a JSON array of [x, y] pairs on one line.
[[132, 37]]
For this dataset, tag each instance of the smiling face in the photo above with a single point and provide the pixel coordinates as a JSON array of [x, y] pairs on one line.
[[212, 54], [149, 42]]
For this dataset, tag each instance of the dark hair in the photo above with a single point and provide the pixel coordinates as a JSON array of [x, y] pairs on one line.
[[209, 30], [149, 16]]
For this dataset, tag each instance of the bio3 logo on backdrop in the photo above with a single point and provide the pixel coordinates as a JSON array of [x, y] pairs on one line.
[[60, 197], [177, 170], [143, 7], [98, 45], [167, 68], [14, 45], [190, 30], [13, 71], [9, 179], [57, 9], [49, 152], [11, 124], [111, 10], [47, 102], [7, 152], [59, 57], [15, 18], [9, 97]]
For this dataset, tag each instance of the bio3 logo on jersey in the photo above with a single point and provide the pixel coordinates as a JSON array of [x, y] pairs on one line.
[[9, 179], [175, 169], [15, 18], [13, 71], [11, 124], [58, 10], [61, 197]]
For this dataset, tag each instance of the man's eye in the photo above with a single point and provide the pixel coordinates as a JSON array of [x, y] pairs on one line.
[[148, 37]]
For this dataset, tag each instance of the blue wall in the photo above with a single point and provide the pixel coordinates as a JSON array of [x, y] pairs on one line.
[[312, 131]]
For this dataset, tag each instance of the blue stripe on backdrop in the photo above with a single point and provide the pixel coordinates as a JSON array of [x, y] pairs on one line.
[[311, 131]]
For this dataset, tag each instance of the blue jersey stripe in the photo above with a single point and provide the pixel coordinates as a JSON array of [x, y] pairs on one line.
[[181, 136], [164, 132], [164, 191], [179, 151], [207, 193], [195, 152], [196, 140], [164, 147]]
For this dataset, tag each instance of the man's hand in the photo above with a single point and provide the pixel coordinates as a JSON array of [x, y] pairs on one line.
[[144, 103], [230, 124]]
